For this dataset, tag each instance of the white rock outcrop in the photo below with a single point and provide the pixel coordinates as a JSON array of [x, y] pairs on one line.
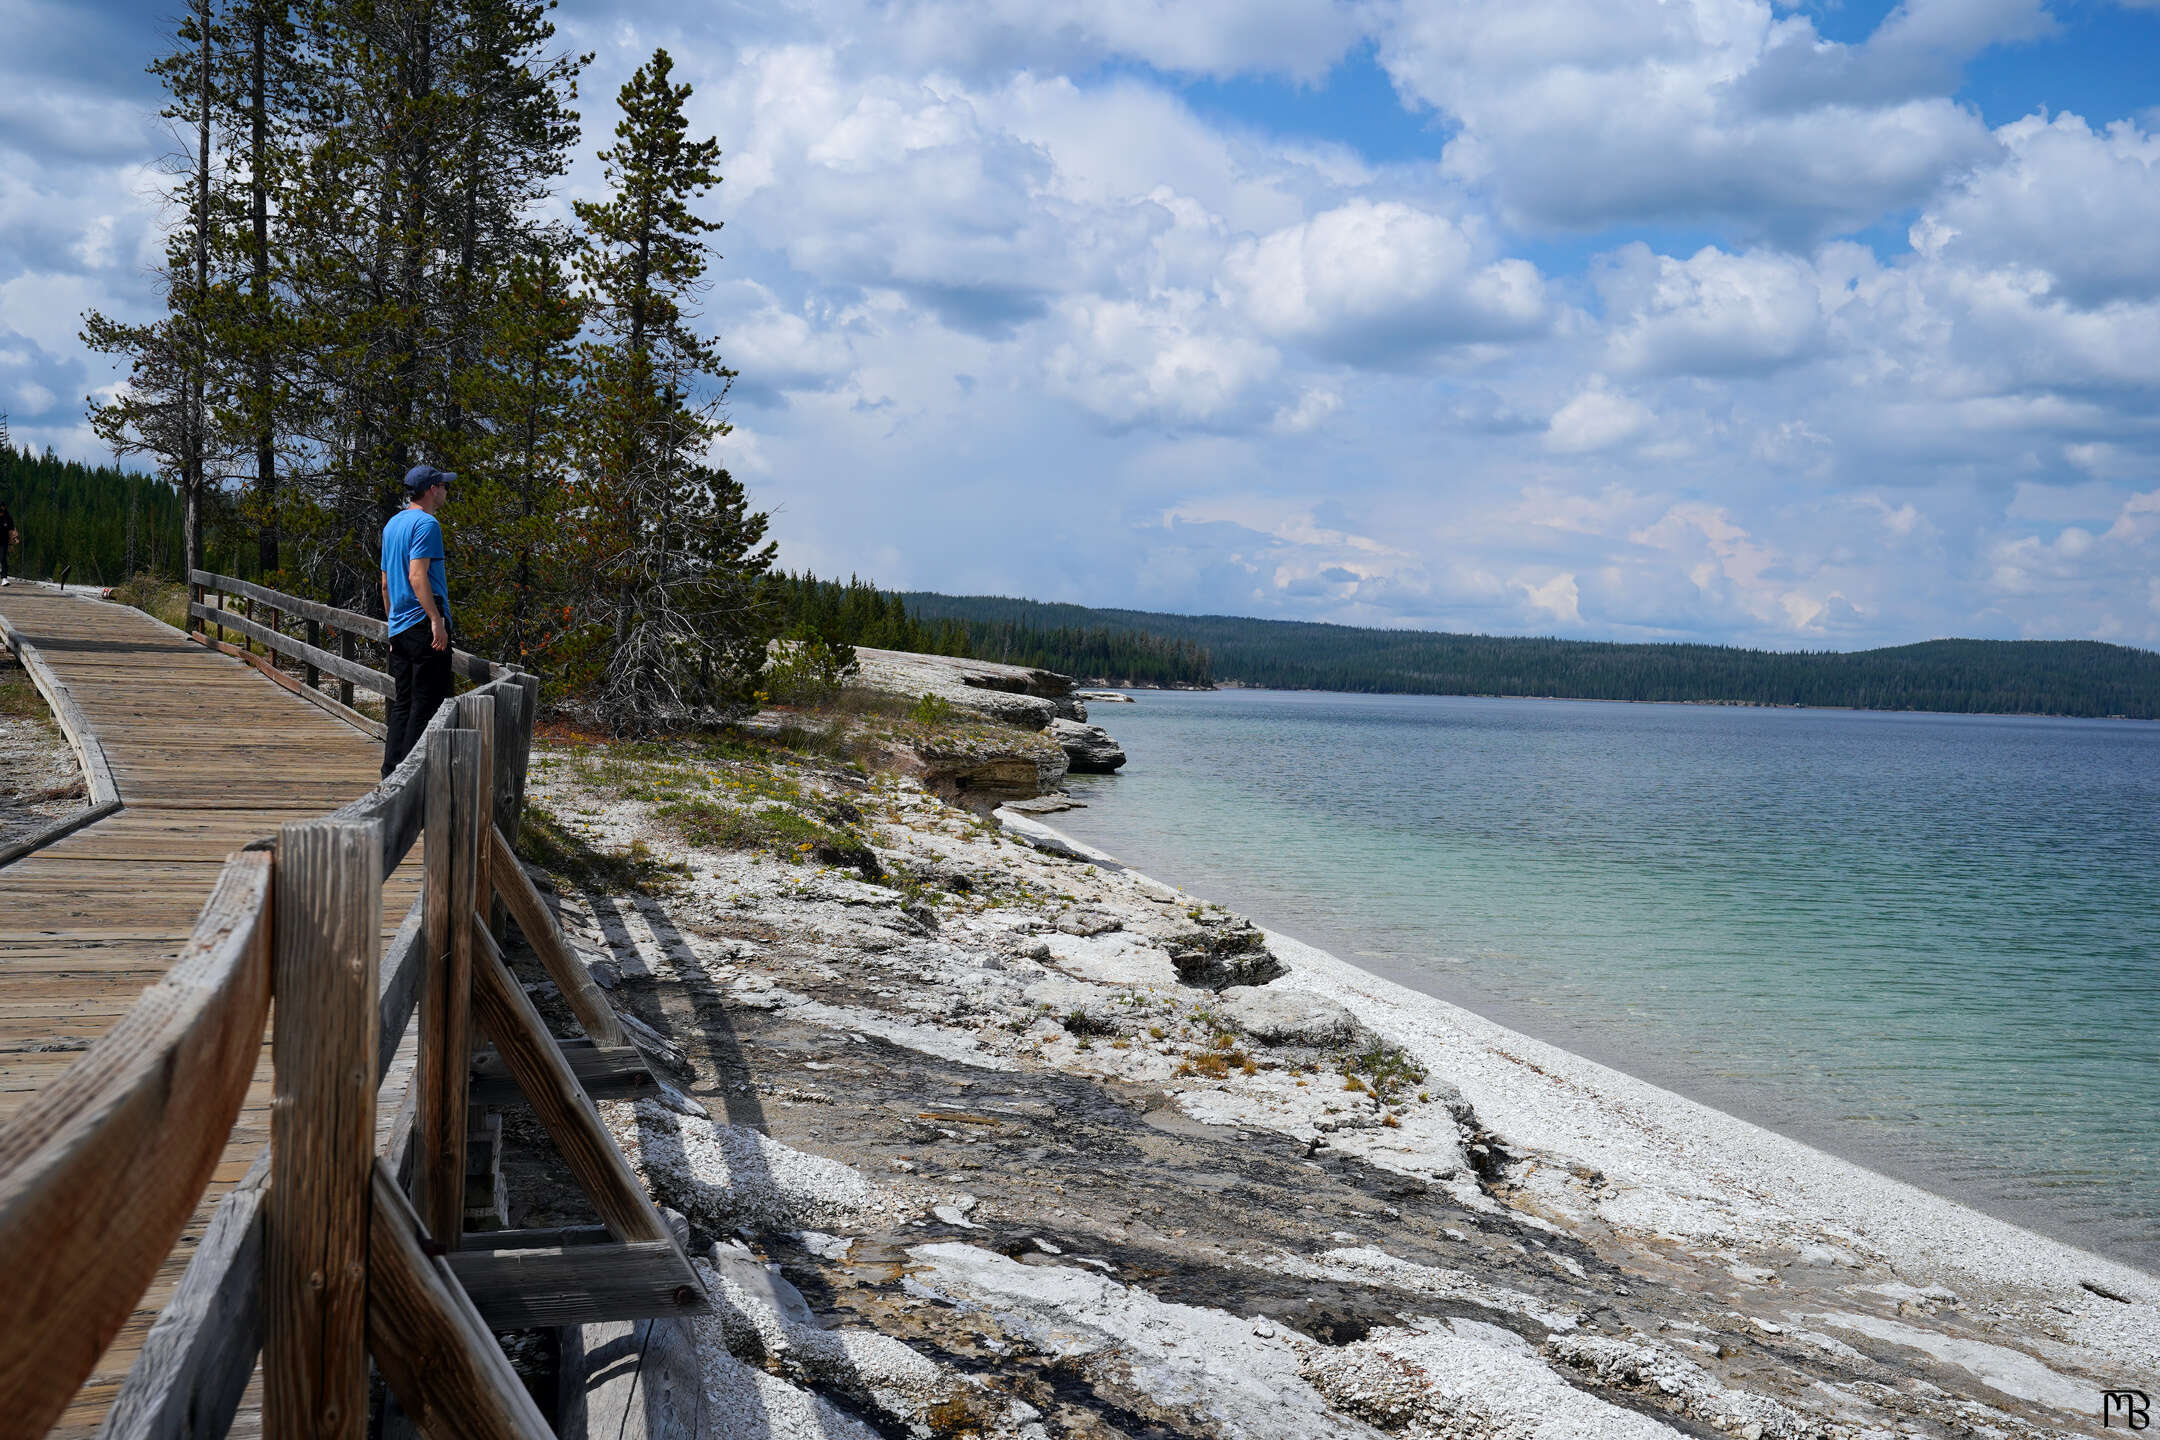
[[1089, 750]]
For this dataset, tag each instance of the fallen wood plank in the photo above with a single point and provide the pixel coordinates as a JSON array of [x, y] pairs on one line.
[[573, 1285], [604, 1072]]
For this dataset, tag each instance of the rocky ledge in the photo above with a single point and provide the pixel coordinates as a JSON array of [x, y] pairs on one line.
[[1089, 750], [1016, 1144], [1016, 695]]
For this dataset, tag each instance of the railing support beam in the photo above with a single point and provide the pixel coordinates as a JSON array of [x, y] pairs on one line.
[[328, 915]]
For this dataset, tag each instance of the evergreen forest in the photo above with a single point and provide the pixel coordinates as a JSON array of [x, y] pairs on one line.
[[2025, 677], [364, 270], [858, 612]]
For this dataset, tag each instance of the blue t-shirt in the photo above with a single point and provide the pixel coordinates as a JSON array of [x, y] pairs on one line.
[[413, 534]]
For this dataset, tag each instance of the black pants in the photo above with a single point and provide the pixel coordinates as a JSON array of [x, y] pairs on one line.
[[422, 674]]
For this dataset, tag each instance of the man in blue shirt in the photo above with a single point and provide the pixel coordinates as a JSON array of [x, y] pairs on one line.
[[416, 600]]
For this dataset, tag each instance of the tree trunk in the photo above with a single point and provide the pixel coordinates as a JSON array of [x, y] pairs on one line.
[[266, 543], [192, 470], [419, 66], [191, 528]]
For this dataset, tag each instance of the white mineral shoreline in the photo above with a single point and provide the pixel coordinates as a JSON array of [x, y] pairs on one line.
[[1704, 1178]]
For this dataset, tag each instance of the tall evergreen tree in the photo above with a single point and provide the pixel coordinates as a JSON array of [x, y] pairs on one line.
[[253, 330], [674, 624], [165, 409], [516, 465], [432, 130]]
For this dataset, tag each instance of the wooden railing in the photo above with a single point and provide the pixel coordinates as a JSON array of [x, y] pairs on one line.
[[263, 615], [332, 1251]]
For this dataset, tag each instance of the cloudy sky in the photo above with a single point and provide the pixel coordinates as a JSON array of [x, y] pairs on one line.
[[1821, 326]]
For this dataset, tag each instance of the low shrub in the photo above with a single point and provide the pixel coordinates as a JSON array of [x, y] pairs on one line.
[[804, 670], [931, 710], [155, 595]]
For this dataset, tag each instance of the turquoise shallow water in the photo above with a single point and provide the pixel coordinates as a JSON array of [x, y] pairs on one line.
[[1927, 942]]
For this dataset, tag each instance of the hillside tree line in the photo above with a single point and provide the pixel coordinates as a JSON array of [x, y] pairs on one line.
[[2029, 677]]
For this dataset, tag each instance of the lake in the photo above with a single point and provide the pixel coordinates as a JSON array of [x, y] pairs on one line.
[[1925, 942]]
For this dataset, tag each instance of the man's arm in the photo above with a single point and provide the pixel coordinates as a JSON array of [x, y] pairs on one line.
[[416, 571]]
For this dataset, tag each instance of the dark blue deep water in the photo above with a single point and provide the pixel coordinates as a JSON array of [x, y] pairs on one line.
[[1928, 942]]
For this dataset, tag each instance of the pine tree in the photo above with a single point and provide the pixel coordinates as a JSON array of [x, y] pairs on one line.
[[165, 411], [431, 130], [251, 330], [515, 481], [674, 627]]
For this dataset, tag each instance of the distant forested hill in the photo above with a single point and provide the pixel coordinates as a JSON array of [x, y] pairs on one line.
[[860, 613], [2032, 677], [1099, 654], [104, 523]]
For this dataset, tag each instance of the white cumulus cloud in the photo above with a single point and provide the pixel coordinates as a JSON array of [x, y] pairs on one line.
[[1374, 281]]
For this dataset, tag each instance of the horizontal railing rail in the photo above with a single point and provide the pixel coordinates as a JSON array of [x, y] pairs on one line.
[[261, 618], [101, 1170]]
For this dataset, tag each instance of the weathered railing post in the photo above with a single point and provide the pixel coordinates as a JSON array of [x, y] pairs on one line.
[[345, 651], [477, 713], [522, 758], [314, 638], [453, 764], [328, 916]]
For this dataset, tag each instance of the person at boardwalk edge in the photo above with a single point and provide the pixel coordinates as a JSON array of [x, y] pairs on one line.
[[416, 599], [7, 537]]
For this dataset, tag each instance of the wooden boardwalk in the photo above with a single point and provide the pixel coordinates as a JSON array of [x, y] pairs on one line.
[[207, 755]]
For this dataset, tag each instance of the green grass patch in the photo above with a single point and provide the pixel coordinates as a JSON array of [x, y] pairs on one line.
[[19, 698], [773, 829], [555, 847], [1386, 1070]]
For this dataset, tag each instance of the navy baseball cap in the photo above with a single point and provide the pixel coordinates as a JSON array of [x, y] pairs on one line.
[[420, 477]]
